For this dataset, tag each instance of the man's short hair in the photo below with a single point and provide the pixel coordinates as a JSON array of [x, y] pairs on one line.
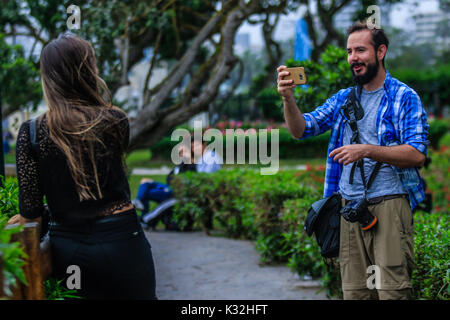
[[378, 35]]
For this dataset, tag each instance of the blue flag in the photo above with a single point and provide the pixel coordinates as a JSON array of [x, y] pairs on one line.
[[303, 46]]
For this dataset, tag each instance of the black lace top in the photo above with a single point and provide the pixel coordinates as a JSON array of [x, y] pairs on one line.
[[47, 174]]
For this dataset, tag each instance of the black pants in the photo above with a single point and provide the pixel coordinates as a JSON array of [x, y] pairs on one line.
[[113, 255]]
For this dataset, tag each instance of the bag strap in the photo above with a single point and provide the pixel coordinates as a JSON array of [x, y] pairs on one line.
[[33, 137], [355, 112]]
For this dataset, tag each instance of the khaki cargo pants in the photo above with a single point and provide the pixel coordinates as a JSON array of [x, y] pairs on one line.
[[377, 263]]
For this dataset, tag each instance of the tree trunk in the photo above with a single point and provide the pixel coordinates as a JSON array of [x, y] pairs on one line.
[[152, 123]]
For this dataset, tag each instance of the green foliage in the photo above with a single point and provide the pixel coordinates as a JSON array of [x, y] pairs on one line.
[[438, 128], [271, 210], [431, 277], [103, 23], [437, 177], [289, 148], [9, 198], [303, 250], [325, 78], [201, 197], [268, 100], [445, 140], [55, 290], [176, 23], [19, 78], [12, 255]]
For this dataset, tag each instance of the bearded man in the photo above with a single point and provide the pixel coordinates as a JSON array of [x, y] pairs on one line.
[[393, 131]]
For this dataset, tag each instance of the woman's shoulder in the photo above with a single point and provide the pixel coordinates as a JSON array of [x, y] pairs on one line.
[[24, 128]]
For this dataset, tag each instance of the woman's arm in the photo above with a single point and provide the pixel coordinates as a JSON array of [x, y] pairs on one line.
[[30, 193]]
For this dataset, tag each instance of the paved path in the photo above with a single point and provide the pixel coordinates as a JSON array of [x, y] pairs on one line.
[[193, 265]]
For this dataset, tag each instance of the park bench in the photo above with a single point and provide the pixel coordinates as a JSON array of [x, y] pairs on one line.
[[38, 264]]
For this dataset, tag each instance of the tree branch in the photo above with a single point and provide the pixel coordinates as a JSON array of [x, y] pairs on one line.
[[150, 70], [148, 128]]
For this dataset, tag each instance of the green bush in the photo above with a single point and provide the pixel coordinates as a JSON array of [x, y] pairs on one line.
[[13, 255], [269, 101], [201, 197], [445, 140], [9, 197], [303, 251], [289, 148], [438, 128], [325, 78], [55, 290], [431, 277], [271, 210], [437, 176], [269, 195]]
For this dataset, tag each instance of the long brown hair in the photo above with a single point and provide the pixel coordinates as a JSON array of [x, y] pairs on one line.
[[77, 100]]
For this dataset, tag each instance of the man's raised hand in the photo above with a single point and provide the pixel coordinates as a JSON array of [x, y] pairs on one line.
[[284, 86]]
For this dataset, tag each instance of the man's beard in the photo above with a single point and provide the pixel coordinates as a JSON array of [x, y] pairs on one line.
[[372, 70]]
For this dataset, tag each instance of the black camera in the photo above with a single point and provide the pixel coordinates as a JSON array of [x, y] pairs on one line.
[[357, 211]]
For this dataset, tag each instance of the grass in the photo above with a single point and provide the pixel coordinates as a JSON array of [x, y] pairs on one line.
[[10, 158], [141, 159]]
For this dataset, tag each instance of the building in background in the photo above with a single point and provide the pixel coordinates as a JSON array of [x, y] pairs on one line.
[[241, 43], [432, 27]]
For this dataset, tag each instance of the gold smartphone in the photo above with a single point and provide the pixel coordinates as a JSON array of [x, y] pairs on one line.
[[297, 74]]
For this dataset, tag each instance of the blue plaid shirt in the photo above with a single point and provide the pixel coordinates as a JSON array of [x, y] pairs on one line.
[[401, 119]]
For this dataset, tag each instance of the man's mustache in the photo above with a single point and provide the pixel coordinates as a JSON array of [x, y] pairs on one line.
[[356, 64]]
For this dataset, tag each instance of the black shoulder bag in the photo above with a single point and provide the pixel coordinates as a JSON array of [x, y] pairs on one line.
[[324, 221]]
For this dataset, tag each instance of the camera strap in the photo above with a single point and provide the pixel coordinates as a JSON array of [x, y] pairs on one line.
[[354, 111]]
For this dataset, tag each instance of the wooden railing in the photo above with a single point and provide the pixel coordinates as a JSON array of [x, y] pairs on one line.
[[38, 264]]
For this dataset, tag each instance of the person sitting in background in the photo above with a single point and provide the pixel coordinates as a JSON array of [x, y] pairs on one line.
[[7, 138], [161, 193], [206, 161]]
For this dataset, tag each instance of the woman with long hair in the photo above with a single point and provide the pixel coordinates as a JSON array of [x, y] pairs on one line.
[[79, 167]]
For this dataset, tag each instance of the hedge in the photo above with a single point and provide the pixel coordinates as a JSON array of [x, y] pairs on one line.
[[271, 210], [14, 258], [290, 148]]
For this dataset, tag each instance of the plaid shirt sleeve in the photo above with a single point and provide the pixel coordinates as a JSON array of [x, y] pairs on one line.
[[413, 122], [321, 119]]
